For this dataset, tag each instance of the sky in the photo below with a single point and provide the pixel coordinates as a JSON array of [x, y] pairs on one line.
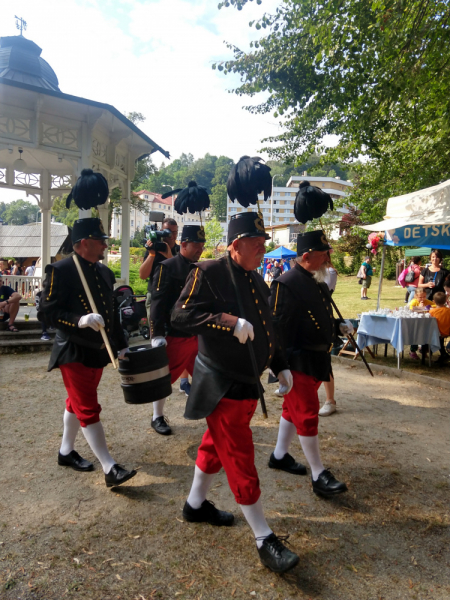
[[153, 57]]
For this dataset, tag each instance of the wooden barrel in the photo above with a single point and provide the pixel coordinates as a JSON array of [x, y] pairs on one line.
[[145, 375]]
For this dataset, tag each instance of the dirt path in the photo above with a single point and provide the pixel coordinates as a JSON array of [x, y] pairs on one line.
[[64, 535]]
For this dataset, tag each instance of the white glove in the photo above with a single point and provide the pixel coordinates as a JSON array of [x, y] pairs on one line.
[[158, 341], [93, 320], [122, 354], [346, 328], [243, 330], [286, 382]]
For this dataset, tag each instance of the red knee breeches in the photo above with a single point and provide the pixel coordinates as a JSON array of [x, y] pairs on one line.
[[228, 443], [301, 406], [81, 384], [181, 353]]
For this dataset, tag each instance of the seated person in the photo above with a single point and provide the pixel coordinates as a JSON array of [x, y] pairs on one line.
[[420, 300], [442, 314], [419, 303], [9, 306]]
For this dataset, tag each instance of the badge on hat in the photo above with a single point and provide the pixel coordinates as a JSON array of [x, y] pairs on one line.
[[311, 241], [88, 228], [246, 224], [193, 233]]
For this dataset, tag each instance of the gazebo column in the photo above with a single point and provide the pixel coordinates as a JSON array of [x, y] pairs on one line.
[[125, 261], [103, 210], [45, 205]]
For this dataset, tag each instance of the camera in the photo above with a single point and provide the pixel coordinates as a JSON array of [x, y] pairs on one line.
[[155, 236]]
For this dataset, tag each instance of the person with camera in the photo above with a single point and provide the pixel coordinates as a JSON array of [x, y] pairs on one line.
[[168, 281], [153, 258]]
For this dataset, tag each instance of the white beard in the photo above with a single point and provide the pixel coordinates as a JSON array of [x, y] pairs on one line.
[[320, 274]]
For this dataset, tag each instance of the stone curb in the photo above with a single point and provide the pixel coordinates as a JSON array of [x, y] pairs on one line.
[[391, 372]]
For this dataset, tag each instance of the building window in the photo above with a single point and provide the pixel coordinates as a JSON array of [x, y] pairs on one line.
[[132, 222]]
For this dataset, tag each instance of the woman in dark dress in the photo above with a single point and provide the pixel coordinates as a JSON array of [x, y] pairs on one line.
[[432, 278]]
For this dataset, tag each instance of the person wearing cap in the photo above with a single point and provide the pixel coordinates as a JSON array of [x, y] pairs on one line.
[[168, 281], [303, 319], [78, 350], [224, 388]]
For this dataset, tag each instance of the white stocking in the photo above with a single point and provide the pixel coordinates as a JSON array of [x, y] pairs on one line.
[[310, 447], [286, 433], [255, 518], [200, 488], [95, 437], [158, 408], [71, 427]]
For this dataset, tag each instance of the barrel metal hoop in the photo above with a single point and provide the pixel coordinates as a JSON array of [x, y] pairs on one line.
[[144, 377]]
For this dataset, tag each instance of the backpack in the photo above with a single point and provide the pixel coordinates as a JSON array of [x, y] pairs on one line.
[[410, 275]]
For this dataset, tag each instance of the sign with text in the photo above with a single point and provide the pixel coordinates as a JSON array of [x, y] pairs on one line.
[[433, 236]]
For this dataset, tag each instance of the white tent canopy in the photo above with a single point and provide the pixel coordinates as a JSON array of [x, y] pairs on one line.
[[430, 206]]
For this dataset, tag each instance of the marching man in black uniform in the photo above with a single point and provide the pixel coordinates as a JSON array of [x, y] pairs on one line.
[[224, 387], [306, 329], [168, 281], [78, 350]]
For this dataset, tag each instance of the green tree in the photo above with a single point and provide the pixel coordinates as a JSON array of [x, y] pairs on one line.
[[214, 233], [373, 72], [20, 212], [64, 215], [218, 200]]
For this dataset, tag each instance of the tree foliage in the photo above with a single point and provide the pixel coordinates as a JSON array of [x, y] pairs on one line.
[[375, 72], [20, 212]]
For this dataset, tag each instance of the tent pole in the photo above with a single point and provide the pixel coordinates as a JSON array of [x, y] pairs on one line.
[[380, 284]]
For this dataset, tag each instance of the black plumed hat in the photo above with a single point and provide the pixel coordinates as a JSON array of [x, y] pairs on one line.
[[246, 224], [193, 198], [193, 233], [248, 178], [311, 241], [311, 202], [90, 190], [88, 228]]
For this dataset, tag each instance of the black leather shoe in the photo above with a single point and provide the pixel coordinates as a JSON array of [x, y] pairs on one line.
[[276, 556], [288, 464], [118, 475], [207, 513], [160, 426], [327, 485], [74, 461]]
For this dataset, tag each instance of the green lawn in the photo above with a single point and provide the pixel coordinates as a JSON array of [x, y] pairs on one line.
[[348, 293]]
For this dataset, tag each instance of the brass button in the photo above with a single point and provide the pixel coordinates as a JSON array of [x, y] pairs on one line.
[[264, 322], [214, 326], [228, 329], [219, 327], [253, 291], [256, 300]]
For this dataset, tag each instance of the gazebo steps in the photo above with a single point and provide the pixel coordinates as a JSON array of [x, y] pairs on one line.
[[27, 339]]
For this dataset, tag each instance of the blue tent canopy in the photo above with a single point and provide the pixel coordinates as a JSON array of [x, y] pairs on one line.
[[280, 252]]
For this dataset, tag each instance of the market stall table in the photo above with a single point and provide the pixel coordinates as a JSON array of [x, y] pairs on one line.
[[399, 332]]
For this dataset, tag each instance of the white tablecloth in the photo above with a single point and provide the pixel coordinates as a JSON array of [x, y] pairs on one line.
[[398, 332]]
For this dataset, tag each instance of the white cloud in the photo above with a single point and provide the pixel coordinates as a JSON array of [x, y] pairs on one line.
[[153, 57]]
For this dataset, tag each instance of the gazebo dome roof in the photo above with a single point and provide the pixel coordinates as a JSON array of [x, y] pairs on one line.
[[20, 61]]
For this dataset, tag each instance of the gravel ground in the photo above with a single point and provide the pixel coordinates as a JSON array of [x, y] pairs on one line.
[[65, 535]]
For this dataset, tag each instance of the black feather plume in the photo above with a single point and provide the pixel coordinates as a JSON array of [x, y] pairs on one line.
[[90, 190], [193, 198], [248, 178], [311, 202]]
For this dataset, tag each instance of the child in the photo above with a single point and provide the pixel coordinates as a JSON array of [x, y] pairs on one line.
[[420, 301], [442, 314]]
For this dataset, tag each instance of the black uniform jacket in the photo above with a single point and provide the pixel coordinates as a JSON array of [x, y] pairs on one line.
[[168, 281], [64, 302], [159, 258], [208, 308], [303, 319]]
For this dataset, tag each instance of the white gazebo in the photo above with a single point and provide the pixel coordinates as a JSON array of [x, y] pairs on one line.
[[57, 135]]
